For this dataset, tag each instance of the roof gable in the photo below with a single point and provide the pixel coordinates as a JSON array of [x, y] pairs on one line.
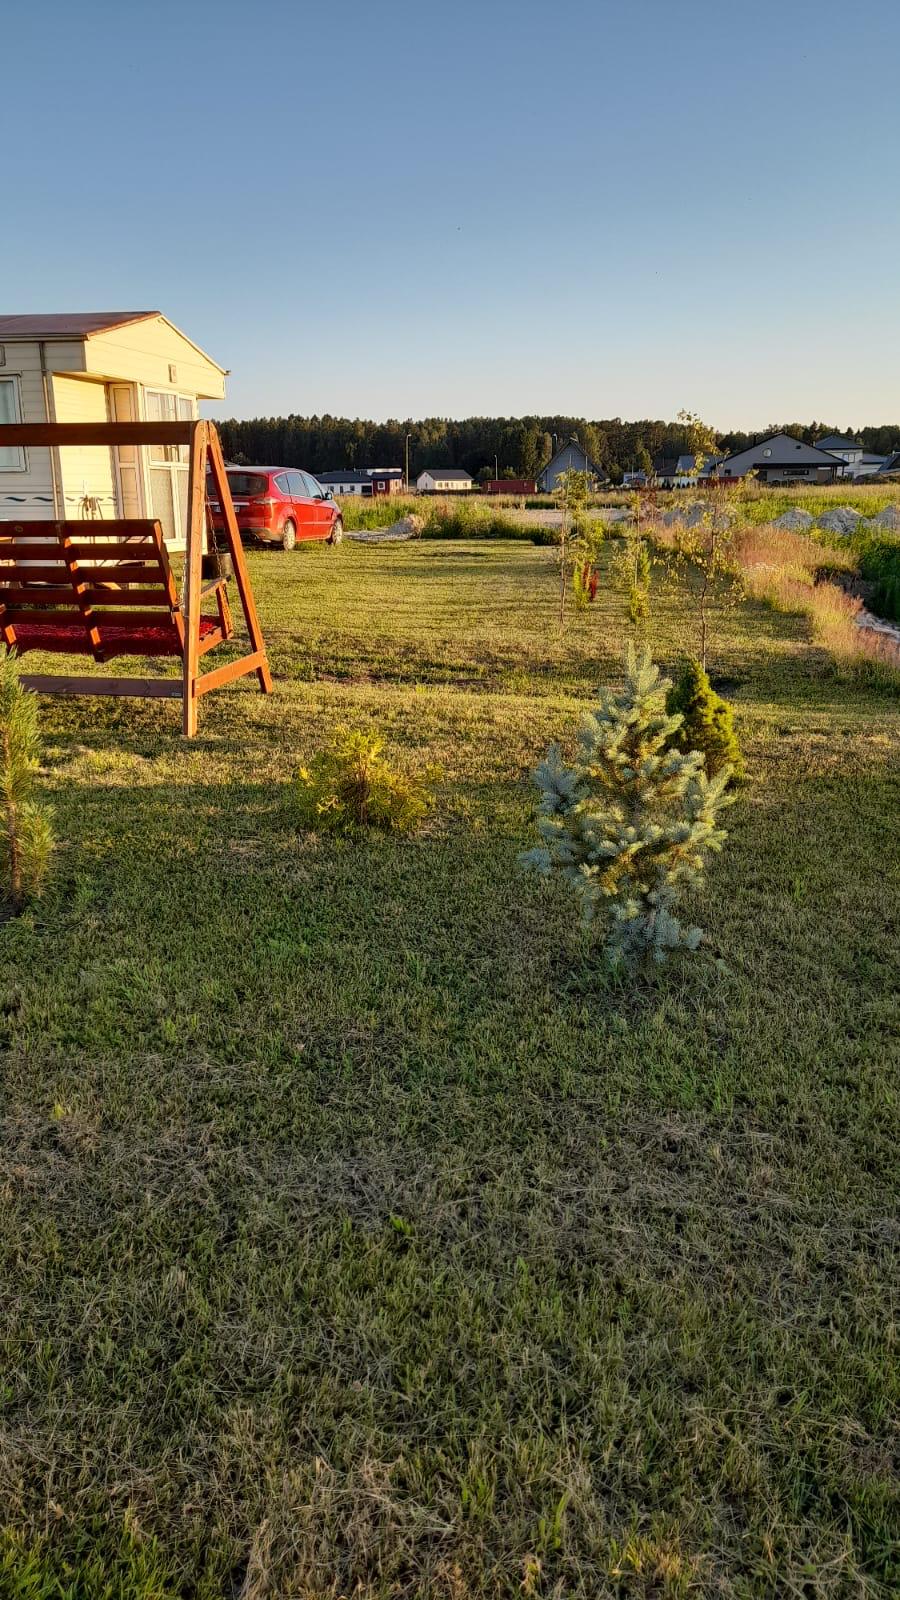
[[784, 450], [573, 444]]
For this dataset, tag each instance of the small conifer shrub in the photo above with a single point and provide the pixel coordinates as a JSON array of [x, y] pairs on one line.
[[350, 786], [26, 836], [707, 721], [632, 823]]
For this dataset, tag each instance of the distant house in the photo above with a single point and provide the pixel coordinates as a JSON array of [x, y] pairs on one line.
[[443, 480], [890, 464], [782, 459], [848, 450], [100, 366], [860, 463], [365, 481], [680, 472], [570, 457], [510, 486]]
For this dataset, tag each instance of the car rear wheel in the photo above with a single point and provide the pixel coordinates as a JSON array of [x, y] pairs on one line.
[[289, 535], [337, 532]]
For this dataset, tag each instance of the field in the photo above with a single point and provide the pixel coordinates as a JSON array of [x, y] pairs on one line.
[[358, 1237]]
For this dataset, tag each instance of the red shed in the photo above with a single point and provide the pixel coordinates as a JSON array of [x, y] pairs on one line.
[[511, 486]]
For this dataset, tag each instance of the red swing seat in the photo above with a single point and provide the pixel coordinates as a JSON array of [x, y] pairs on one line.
[[100, 594]]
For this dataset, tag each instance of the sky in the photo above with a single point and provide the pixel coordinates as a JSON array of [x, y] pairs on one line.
[[407, 209]]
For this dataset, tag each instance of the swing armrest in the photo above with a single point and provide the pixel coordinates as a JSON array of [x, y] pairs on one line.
[[212, 586]]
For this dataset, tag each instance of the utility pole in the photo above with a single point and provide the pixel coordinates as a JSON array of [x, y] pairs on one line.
[[408, 437]]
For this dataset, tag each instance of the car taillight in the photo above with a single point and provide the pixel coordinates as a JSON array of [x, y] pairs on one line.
[[264, 500]]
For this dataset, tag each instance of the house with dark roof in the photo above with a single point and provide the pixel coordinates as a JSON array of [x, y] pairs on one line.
[[570, 457], [780, 458], [681, 472], [99, 366], [443, 480]]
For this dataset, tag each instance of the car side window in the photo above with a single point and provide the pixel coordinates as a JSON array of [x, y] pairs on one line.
[[283, 482], [295, 485], [312, 488]]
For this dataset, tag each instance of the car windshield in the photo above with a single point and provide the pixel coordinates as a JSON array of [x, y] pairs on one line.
[[243, 484]]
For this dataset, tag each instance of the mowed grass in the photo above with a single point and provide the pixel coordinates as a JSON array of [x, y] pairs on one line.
[[358, 1239]]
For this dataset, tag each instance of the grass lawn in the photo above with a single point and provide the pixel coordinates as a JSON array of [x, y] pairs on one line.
[[356, 1239]]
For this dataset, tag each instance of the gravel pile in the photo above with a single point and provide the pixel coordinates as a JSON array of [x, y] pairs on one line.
[[888, 518], [843, 519], [690, 516], [795, 520]]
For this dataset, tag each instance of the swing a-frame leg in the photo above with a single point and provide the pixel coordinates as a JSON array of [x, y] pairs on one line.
[[206, 451]]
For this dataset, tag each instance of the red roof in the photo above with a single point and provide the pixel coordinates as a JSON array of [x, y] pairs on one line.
[[67, 324]]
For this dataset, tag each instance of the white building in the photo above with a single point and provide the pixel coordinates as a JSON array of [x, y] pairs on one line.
[[367, 481], [442, 480], [100, 366]]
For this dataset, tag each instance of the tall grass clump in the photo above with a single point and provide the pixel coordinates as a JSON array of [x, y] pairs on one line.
[[781, 569], [26, 836], [378, 512], [470, 519]]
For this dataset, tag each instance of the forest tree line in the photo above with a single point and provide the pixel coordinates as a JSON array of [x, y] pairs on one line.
[[516, 447]]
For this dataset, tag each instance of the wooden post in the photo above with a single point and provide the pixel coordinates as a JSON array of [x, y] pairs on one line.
[[196, 526], [236, 550]]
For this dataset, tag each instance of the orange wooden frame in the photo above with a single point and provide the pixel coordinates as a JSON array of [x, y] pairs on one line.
[[205, 452]]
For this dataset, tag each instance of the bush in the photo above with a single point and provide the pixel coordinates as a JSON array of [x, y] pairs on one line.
[[879, 561], [631, 824], [350, 786], [26, 837], [707, 721]]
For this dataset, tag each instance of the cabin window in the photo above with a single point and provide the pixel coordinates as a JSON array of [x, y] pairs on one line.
[[12, 456]]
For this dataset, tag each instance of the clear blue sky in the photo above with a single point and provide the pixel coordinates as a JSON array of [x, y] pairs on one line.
[[374, 209]]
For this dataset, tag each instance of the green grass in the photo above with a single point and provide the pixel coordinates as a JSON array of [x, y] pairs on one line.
[[764, 505], [356, 1239]]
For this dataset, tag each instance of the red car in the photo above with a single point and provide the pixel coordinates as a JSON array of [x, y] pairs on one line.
[[280, 505]]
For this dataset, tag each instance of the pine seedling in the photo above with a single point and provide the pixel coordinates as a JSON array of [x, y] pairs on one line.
[[631, 825], [708, 721], [350, 787]]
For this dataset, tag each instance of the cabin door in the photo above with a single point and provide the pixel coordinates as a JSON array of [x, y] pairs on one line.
[[122, 408], [169, 465]]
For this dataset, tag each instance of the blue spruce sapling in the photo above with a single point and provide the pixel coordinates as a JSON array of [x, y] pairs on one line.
[[632, 823]]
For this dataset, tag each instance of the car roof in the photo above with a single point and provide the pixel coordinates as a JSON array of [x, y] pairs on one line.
[[232, 467]]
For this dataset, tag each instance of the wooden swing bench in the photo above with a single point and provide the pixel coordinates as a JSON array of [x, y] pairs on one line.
[[106, 589]]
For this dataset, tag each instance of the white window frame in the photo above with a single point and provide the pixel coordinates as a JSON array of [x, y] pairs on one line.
[[19, 450]]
